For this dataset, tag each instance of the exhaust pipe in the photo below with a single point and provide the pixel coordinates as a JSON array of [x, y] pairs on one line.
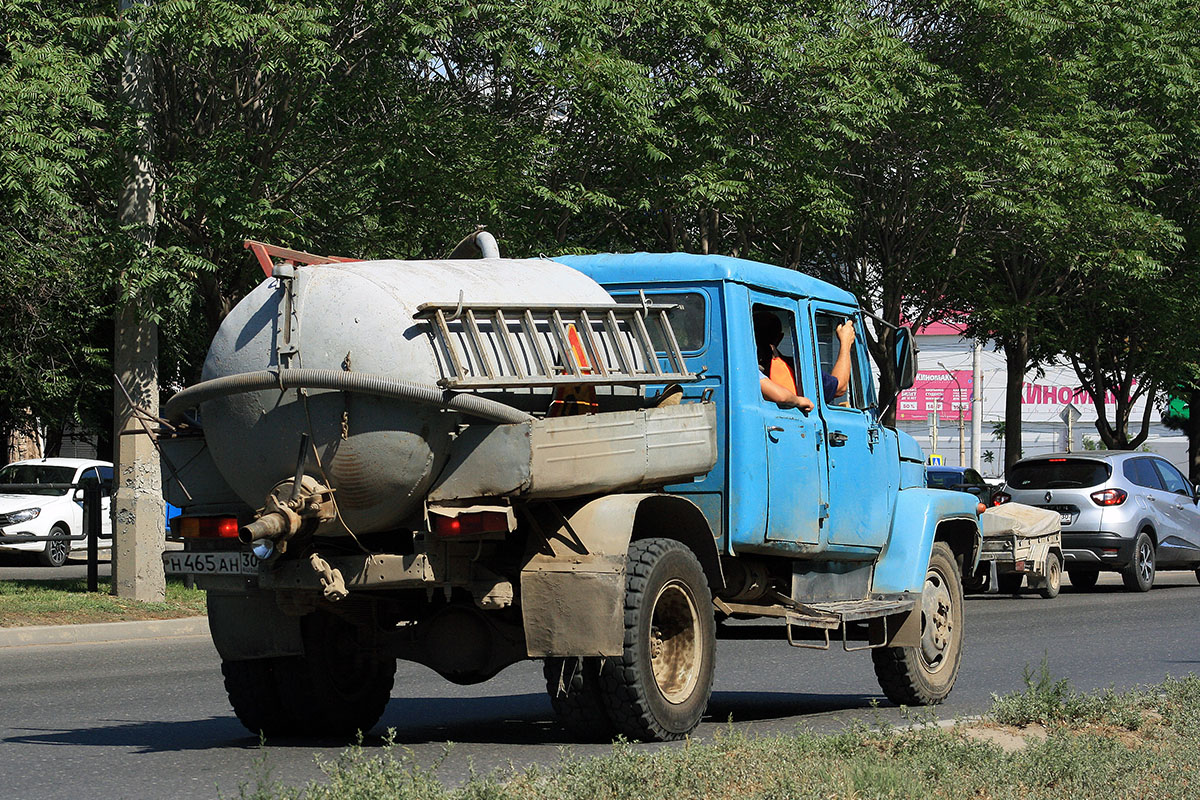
[[268, 526]]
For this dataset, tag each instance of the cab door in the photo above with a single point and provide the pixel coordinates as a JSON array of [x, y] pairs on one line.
[[793, 439], [863, 476]]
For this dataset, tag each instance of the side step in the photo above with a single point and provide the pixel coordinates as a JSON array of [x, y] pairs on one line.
[[819, 619]]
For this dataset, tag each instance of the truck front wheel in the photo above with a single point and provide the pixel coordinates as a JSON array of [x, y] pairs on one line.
[[340, 686], [659, 688], [925, 674]]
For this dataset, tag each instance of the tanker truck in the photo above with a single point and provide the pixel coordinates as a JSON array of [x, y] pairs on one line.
[[470, 462]]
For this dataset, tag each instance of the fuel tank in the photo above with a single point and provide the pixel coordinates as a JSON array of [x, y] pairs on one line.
[[380, 455]]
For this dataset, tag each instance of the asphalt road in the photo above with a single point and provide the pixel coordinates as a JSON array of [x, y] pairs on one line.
[[23, 567], [150, 719]]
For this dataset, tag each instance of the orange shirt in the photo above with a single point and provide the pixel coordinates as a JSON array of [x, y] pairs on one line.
[[781, 373]]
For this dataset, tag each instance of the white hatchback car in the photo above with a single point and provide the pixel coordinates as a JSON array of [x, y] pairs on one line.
[[45, 512]]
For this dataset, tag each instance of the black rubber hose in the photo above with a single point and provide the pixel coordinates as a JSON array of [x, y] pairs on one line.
[[359, 382]]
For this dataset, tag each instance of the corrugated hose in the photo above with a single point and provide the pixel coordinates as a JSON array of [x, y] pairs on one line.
[[359, 382]]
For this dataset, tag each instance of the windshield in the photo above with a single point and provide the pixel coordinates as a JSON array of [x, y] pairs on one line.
[[943, 479], [37, 473], [1059, 473]]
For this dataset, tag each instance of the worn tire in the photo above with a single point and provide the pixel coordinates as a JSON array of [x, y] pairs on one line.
[[338, 688], [1083, 579], [1010, 583], [55, 554], [1139, 575], [573, 685], [925, 674], [658, 689], [253, 689], [1052, 582]]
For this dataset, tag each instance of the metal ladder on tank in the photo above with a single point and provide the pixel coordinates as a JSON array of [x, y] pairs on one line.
[[513, 345]]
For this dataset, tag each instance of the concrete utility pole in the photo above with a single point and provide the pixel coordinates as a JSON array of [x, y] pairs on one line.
[[137, 504], [976, 408]]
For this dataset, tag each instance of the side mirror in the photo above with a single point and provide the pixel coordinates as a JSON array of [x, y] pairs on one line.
[[1196, 493], [906, 358], [78, 495]]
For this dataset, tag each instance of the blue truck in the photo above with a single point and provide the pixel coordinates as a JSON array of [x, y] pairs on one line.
[[476, 461]]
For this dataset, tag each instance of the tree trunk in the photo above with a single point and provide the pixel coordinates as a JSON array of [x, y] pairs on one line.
[[1016, 356]]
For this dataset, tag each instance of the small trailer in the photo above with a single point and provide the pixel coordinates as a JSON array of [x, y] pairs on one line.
[[1019, 541]]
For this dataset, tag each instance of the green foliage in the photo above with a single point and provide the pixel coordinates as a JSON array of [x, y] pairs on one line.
[[1029, 164], [1047, 700], [53, 148]]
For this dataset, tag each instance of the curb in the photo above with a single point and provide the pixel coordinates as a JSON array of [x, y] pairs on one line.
[[97, 632]]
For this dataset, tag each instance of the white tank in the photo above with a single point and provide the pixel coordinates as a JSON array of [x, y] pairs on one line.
[[379, 455]]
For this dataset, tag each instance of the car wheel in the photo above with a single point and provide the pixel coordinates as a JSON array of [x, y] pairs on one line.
[[658, 688], [1083, 579], [56, 552], [924, 675], [1139, 575], [1010, 583], [1053, 581]]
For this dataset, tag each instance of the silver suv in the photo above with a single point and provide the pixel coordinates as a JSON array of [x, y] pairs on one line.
[[1122, 511]]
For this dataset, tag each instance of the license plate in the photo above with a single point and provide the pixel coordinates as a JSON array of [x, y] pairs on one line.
[[177, 562], [1064, 517]]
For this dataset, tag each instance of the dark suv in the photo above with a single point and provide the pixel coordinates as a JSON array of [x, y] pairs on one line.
[[1128, 512]]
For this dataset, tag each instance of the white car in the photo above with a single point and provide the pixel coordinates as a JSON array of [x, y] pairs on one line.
[[46, 512]]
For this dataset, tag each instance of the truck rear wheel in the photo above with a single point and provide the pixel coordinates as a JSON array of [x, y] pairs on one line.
[[253, 690], [336, 689], [925, 674], [658, 689], [573, 685]]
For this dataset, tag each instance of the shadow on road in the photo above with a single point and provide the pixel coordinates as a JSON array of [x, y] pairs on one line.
[[524, 719]]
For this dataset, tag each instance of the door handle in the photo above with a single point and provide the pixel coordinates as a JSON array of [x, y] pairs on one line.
[[774, 429], [837, 438]]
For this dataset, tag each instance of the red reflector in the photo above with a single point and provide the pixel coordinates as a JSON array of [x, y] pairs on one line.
[[206, 527], [470, 524], [1109, 497]]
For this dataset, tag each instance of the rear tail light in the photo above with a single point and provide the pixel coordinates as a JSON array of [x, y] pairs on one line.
[[1000, 498], [1109, 497], [470, 524], [205, 527]]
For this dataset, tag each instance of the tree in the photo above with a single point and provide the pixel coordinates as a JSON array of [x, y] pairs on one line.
[[1066, 165], [52, 288]]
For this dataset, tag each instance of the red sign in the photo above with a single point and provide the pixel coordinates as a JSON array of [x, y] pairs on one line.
[[937, 390]]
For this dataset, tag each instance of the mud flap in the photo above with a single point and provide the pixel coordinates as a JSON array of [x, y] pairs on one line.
[[246, 625], [574, 612]]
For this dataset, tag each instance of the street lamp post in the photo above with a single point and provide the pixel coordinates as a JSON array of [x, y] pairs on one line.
[[962, 439]]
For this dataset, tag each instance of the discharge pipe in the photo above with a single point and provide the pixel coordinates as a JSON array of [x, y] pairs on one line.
[[359, 382]]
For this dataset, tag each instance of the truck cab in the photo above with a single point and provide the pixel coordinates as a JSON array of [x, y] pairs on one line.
[[606, 536]]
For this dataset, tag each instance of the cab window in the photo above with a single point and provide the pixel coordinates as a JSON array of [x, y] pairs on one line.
[[777, 326], [827, 349], [687, 321]]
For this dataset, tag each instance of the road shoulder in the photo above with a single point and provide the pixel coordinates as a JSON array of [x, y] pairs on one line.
[[92, 633]]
